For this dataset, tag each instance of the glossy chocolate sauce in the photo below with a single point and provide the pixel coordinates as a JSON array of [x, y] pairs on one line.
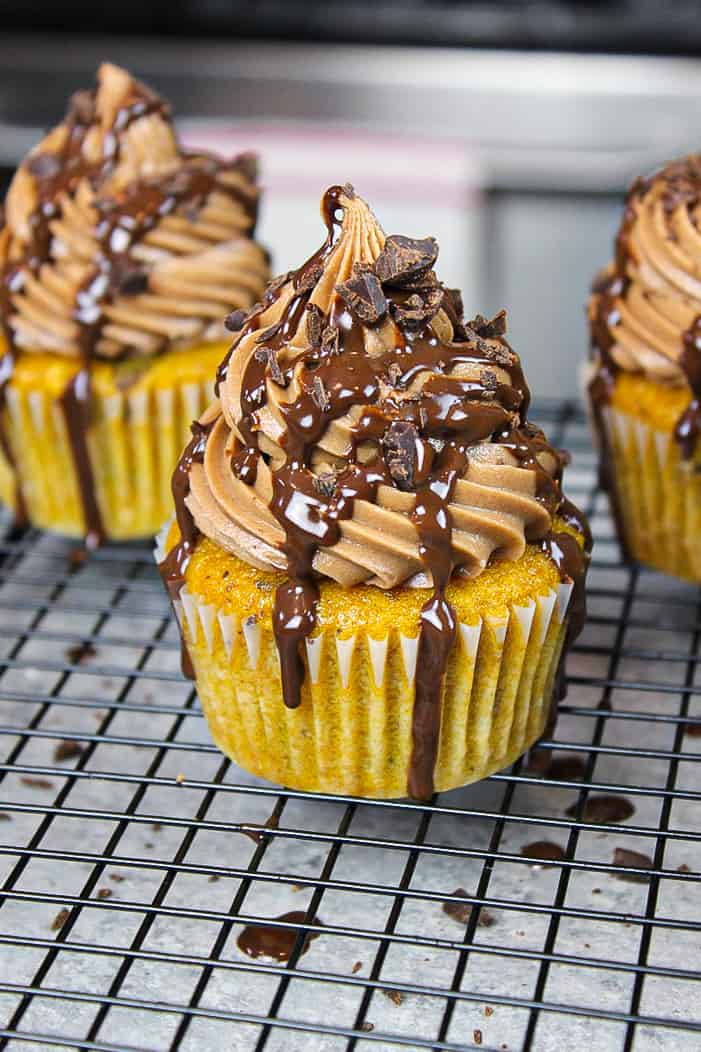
[[122, 221], [423, 441], [260, 940]]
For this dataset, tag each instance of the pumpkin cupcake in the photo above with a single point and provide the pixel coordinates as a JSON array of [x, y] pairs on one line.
[[120, 253], [645, 387], [374, 568]]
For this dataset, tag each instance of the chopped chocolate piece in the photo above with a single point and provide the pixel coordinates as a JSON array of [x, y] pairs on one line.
[[133, 282], [67, 750], [269, 333], [693, 730], [394, 373], [366, 1026], [349, 191], [330, 340], [267, 355], [320, 396], [489, 329], [363, 294], [500, 355], [462, 911], [80, 652], [36, 783], [274, 285], [399, 445], [44, 165], [313, 325], [81, 107], [306, 279], [104, 893], [394, 995], [356, 967], [624, 859], [417, 310], [405, 258], [488, 379], [247, 164], [60, 919], [604, 809], [566, 769], [423, 283], [325, 484], [543, 851]]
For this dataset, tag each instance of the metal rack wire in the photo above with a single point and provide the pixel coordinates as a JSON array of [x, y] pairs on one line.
[[126, 876]]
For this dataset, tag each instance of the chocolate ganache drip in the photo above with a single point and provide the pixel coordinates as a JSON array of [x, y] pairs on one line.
[[363, 431], [114, 244], [645, 308]]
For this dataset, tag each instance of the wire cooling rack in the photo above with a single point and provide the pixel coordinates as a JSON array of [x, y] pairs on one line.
[[127, 876]]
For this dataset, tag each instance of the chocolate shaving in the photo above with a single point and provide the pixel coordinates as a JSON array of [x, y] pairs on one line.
[[267, 355], [543, 851], [44, 165], [399, 446], [363, 294], [67, 750], [325, 484], [624, 859], [305, 280], [320, 396], [314, 325], [491, 329], [405, 259], [236, 320], [330, 340], [604, 809], [417, 310]]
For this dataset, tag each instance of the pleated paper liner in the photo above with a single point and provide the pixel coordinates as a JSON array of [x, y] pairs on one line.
[[659, 494], [134, 441], [352, 732]]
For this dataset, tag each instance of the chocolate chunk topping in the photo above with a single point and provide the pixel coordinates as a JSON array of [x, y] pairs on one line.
[[236, 320], [488, 380], [394, 373], [417, 310], [305, 280], [399, 445], [330, 340], [455, 298], [325, 484], [44, 165], [405, 259], [133, 282], [363, 294], [604, 809], [543, 851], [267, 355], [320, 395], [314, 325], [489, 329], [624, 859]]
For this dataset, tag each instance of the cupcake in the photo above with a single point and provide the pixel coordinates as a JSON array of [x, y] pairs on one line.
[[645, 385], [120, 254], [374, 567]]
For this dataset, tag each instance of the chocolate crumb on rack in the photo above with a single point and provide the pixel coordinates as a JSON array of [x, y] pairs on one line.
[[426, 395]]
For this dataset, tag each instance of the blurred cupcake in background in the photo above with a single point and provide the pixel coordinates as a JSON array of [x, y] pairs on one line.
[[645, 389], [376, 571], [120, 254]]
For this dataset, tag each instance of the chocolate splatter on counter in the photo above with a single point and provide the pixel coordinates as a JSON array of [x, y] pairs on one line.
[[36, 783], [80, 653], [60, 919], [566, 768], [68, 750], [462, 911], [262, 940], [624, 860], [603, 809], [363, 431], [543, 851]]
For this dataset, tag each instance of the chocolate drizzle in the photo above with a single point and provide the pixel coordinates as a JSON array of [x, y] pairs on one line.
[[124, 217], [425, 393]]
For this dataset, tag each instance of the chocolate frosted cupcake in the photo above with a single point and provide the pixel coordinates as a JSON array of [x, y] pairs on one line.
[[374, 567], [120, 254], [645, 389]]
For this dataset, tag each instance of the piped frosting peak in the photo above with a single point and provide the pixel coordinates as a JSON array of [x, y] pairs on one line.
[[117, 241]]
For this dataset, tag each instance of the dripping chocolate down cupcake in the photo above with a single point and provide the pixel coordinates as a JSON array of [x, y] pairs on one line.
[[374, 567], [120, 253], [645, 388]]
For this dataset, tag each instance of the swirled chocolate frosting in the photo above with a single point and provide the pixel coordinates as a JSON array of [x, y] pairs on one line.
[[364, 432], [118, 243], [645, 306]]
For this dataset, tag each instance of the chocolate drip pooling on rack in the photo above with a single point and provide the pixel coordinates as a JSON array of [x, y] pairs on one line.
[[419, 443], [123, 219]]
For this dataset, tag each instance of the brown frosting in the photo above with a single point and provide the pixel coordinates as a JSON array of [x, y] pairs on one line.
[[644, 309], [364, 432], [118, 243]]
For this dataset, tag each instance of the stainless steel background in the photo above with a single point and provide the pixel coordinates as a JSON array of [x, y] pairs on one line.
[[557, 137]]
